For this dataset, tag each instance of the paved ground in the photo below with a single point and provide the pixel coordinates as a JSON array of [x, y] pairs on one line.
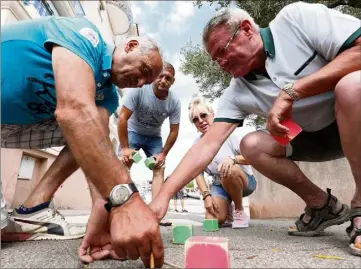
[[264, 244]]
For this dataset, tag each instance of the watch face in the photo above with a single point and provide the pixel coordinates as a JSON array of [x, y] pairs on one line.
[[120, 195]]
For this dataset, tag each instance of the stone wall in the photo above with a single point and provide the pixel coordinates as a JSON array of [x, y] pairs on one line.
[[271, 200]]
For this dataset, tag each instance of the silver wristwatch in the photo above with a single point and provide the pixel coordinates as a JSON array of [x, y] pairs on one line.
[[119, 195], [288, 88]]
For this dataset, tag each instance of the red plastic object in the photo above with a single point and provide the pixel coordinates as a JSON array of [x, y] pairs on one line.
[[206, 252], [294, 128]]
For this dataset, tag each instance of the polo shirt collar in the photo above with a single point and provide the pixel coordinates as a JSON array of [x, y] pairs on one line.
[[268, 44]]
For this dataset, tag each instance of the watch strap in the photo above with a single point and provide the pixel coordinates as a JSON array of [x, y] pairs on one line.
[[132, 187], [108, 205]]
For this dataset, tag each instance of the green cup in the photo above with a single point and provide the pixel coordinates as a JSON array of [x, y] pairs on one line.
[[150, 162], [136, 157]]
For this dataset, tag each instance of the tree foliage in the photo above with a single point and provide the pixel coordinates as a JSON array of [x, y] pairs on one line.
[[210, 78]]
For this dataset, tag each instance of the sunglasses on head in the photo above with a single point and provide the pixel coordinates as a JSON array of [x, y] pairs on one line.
[[201, 116]]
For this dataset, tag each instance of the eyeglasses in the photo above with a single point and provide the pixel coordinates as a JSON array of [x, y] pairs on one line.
[[228, 44], [202, 116]]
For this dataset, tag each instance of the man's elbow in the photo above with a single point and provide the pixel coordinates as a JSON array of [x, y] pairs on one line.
[[73, 112]]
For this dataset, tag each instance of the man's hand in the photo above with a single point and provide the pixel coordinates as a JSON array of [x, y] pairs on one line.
[[225, 167], [96, 242], [281, 109], [159, 160], [126, 156], [135, 232], [211, 206]]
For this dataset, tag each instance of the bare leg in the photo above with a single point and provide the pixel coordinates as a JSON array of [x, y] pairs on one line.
[[268, 157], [158, 179], [175, 204], [63, 166], [234, 185], [182, 204], [348, 116]]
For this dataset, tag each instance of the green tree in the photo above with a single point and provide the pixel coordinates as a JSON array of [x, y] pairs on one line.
[[210, 78], [190, 185]]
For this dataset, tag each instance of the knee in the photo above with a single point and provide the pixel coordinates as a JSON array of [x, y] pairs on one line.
[[250, 146], [348, 90], [235, 177]]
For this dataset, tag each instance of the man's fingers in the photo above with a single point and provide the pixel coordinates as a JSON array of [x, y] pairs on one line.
[[158, 251], [100, 254], [132, 252], [144, 252], [281, 128], [114, 256], [86, 258], [121, 253], [83, 252]]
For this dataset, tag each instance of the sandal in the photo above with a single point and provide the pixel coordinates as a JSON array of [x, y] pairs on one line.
[[320, 218], [354, 232]]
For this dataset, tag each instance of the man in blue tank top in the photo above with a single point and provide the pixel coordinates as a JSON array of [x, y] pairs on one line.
[[58, 83]]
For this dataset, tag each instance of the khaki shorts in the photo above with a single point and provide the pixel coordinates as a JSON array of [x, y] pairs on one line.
[[45, 134], [320, 146]]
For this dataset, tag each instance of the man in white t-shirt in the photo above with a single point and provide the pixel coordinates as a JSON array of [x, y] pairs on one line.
[[305, 65], [141, 118]]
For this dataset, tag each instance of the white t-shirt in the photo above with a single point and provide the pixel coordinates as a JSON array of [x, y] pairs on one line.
[[149, 112], [300, 40], [230, 147]]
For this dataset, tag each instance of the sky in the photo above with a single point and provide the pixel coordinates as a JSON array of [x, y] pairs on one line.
[[172, 24]]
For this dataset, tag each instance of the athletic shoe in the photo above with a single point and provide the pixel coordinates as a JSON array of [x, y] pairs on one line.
[[240, 220], [45, 224]]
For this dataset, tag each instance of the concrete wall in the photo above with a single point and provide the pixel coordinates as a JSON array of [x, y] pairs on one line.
[[74, 193], [272, 200]]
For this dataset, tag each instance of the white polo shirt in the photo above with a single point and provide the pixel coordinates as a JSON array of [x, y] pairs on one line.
[[299, 41]]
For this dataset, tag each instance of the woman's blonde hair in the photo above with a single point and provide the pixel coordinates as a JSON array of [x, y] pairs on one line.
[[198, 103]]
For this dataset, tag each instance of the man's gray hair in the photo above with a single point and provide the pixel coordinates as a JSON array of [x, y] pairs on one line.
[[146, 44], [230, 17]]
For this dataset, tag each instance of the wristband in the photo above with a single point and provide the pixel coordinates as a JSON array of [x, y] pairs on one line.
[[206, 196]]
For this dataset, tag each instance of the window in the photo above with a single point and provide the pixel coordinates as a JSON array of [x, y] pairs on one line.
[[39, 8], [77, 7], [27, 166]]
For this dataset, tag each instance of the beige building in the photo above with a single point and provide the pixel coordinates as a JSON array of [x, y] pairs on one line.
[[21, 169]]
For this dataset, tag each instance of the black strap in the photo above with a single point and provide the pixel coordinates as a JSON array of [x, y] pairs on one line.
[[108, 205], [206, 196]]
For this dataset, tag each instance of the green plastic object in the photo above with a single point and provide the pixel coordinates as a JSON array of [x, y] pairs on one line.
[[181, 233], [210, 225], [150, 162], [136, 157]]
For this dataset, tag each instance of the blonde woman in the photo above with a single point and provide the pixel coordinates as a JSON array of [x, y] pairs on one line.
[[232, 176]]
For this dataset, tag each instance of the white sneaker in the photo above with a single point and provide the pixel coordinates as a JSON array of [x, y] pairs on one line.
[[240, 220], [46, 224], [4, 217]]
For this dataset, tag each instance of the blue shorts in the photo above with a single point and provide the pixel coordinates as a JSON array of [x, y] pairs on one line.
[[151, 145], [219, 191]]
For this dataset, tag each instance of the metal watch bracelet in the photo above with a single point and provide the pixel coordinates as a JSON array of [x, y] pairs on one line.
[[288, 88]]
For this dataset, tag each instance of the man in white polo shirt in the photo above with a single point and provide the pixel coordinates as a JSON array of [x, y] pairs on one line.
[[305, 66]]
